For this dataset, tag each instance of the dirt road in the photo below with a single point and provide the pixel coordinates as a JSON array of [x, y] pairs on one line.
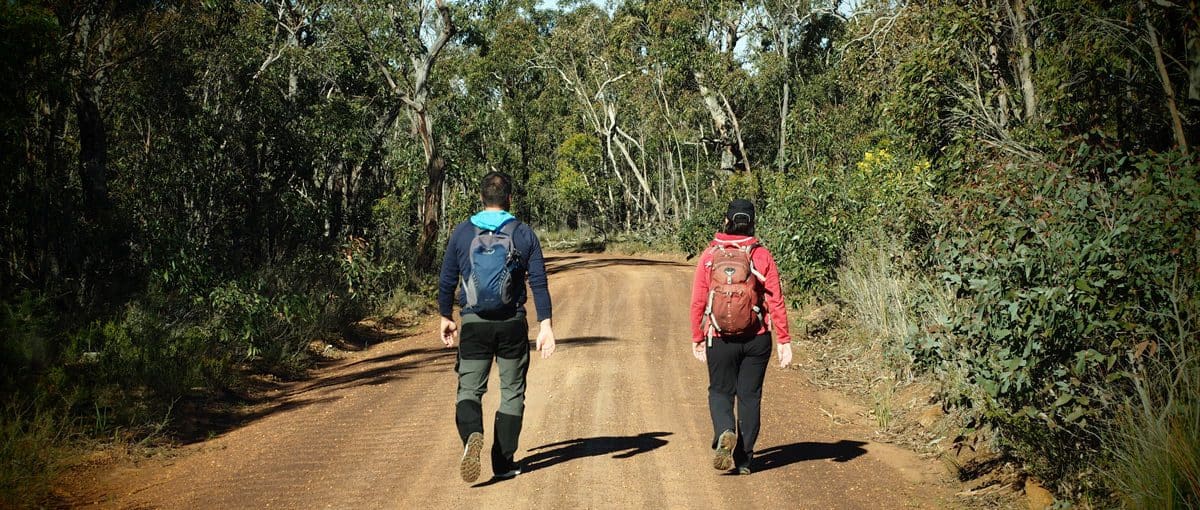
[[616, 419]]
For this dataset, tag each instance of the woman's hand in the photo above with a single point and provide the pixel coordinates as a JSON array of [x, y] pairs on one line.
[[698, 351], [785, 354]]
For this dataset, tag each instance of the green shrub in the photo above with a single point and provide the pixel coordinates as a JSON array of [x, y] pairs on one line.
[[810, 218], [25, 344], [695, 232], [1060, 274], [806, 227], [378, 271], [657, 238], [118, 372], [269, 318], [30, 435]]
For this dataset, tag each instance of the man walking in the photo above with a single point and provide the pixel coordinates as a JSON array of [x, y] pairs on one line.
[[488, 259]]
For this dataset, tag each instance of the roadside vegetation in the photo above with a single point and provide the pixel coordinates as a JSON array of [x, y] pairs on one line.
[[1000, 198]]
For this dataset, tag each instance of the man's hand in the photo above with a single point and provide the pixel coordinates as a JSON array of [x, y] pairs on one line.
[[448, 329], [545, 339], [698, 351], [785, 354]]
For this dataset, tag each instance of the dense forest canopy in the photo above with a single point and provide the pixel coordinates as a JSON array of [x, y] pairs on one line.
[[244, 130], [193, 187]]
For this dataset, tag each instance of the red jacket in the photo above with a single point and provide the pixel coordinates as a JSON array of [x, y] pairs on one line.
[[770, 293]]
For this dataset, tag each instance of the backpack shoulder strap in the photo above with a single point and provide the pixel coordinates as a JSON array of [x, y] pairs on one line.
[[750, 255], [507, 231], [509, 227]]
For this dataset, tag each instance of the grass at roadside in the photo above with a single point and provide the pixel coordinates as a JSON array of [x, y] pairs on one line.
[[1154, 448], [854, 344], [32, 446]]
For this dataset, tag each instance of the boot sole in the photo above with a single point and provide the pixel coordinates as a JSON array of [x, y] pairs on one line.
[[723, 460], [469, 466]]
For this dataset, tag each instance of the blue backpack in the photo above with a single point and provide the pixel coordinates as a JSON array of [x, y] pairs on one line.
[[493, 258]]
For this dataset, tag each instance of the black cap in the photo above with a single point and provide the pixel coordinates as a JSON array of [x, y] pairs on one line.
[[740, 211]]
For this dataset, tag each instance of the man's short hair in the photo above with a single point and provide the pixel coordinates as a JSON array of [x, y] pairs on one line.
[[496, 188]]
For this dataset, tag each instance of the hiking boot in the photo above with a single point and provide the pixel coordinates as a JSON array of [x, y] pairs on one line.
[[743, 469], [723, 459], [468, 467]]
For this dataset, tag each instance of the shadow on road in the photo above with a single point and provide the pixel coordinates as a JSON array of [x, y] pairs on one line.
[[779, 456], [559, 259], [382, 369], [203, 417], [578, 341], [621, 447], [203, 420]]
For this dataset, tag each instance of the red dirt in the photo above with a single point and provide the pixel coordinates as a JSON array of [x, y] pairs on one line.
[[617, 418]]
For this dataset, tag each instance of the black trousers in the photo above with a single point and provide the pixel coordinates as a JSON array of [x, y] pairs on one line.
[[736, 368]]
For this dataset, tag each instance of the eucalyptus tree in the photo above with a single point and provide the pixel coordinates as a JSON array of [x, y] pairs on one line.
[[792, 40], [513, 111], [403, 41], [64, 62], [1160, 66], [580, 52]]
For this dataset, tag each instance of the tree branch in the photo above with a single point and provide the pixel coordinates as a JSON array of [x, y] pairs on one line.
[[447, 30], [387, 75], [737, 131]]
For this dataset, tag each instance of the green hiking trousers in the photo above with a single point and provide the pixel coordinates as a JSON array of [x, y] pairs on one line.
[[505, 341]]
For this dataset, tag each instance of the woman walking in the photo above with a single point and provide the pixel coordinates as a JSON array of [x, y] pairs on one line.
[[737, 305]]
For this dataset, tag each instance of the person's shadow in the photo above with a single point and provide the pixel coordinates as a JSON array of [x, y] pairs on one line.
[[621, 447], [783, 455]]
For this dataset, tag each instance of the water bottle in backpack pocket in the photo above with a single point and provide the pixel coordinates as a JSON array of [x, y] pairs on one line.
[[491, 285]]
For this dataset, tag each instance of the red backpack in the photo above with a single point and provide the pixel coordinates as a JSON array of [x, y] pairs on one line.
[[732, 307]]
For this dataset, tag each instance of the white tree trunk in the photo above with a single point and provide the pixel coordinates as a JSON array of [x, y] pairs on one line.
[[720, 121]]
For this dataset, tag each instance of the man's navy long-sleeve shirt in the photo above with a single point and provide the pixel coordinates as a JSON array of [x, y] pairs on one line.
[[456, 264]]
